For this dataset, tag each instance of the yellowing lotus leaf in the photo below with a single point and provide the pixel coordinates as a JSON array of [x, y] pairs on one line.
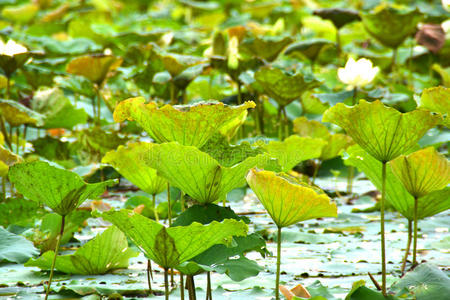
[[130, 162], [311, 128], [16, 114], [337, 143], [190, 125], [94, 67], [7, 159], [287, 201], [384, 132], [172, 246], [437, 99], [177, 63], [422, 172]]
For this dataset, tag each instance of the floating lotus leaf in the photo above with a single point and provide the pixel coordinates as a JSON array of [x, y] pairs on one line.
[[16, 114], [130, 163], [391, 26], [57, 109], [382, 131], [294, 150], [339, 16], [396, 194], [94, 67], [267, 48], [310, 48], [204, 178], [190, 125], [177, 63], [105, 252], [437, 99], [59, 189], [172, 246], [7, 159], [422, 172], [288, 201], [283, 87], [15, 248]]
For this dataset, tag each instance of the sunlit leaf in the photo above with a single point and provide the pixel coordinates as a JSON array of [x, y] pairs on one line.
[[172, 246], [59, 189], [130, 162], [21, 13], [383, 132], [288, 201], [15, 248], [437, 99], [107, 251], [176, 123], [94, 67], [7, 159], [16, 114], [283, 87], [422, 172]]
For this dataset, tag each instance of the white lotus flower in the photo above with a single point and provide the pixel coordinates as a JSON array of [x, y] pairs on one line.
[[446, 4], [357, 73], [11, 48]]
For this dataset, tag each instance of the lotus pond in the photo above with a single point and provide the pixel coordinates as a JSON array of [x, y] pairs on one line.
[[179, 149]]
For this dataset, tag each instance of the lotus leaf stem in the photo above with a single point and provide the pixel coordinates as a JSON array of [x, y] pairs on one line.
[[408, 246], [191, 287], [383, 244], [58, 241], [8, 86], [208, 286], [316, 170], [166, 283], [415, 231], [155, 211], [277, 281], [149, 276], [350, 176], [5, 132], [181, 286]]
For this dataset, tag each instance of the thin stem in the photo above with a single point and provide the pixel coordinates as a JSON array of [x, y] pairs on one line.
[[277, 282], [286, 123], [181, 286], [58, 241], [338, 42], [316, 170], [149, 276], [191, 287], [355, 92], [172, 93], [155, 211], [208, 286], [169, 208], [17, 140], [350, 176], [408, 246], [166, 283], [4, 188], [415, 231], [99, 103], [25, 127], [239, 101], [280, 123], [383, 244], [183, 208], [394, 60], [5, 132], [8, 86]]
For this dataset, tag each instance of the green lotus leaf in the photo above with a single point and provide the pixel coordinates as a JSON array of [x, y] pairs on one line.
[[204, 178], [105, 252], [172, 246], [294, 150], [30, 212], [422, 172], [59, 189], [9, 64], [16, 114], [57, 109], [391, 26], [437, 99], [130, 163], [21, 13], [175, 123], [7, 159], [444, 73], [15, 248], [339, 16], [283, 87], [396, 194], [288, 201], [383, 132], [336, 144], [177, 63], [265, 47], [310, 48], [311, 128], [94, 67]]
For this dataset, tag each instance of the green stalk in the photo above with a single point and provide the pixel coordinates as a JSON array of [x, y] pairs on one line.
[[208, 286], [350, 176], [394, 60], [383, 244], [286, 123], [172, 93], [166, 283], [415, 231], [316, 170], [8, 86], [280, 123], [355, 92], [17, 140], [408, 246], [181, 286], [4, 188], [277, 282], [149, 276], [191, 287], [155, 211], [5, 132], [58, 241], [239, 100], [169, 208], [183, 208], [338, 42], [99, 102]]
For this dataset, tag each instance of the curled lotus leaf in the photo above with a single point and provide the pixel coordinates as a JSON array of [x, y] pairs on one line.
[[283, 87], [130, 163], [172, 246], [288, 201], [309, 49], [384, 132], [191, 125], [422, 172], [339, 16], [437, 99], [16, 114], [267, 48], [175, 64], [9, 64], [94, 67], [204, 178], [391, 26], [59, 189], [7, 159]]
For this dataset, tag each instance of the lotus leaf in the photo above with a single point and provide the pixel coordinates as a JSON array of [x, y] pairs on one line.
[[9, 64], [107, 251], [422, 172], [282, 87], [176, 123], [267, 48], [204, 178], [391, 26], [15, 248], [130, 162], [309, 49], [437, 99], [288, 201], [177, 63], [59, 189], [339, 16], [94, 67], [7, 159], [172, 246], [383, 132], [16, 114], [294, 150]]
